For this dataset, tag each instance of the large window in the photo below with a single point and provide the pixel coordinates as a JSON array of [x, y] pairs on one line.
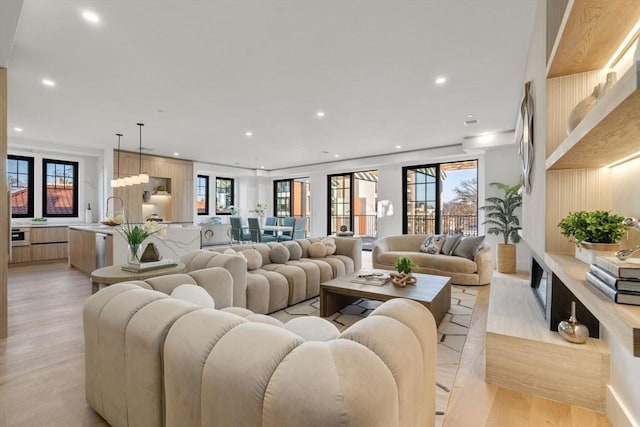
[[224, 196], [20, 179], [60, 188], [202, 194], [441, 198], [353, 199], [292, 197], [282, 195]]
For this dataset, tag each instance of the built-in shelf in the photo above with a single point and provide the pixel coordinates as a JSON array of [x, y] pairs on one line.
[[609, 132], [619, 319], [590, 33]]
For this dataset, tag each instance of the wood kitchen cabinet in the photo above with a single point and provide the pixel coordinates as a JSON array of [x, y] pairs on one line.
[[48, 243], [82, 250]]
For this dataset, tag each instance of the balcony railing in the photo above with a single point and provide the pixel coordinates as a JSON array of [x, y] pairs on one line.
[[466, 225]]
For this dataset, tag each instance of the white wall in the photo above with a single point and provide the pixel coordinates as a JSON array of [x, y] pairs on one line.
[[90, 175], [502, 164]]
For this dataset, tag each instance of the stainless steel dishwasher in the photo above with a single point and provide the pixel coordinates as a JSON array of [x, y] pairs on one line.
[[101, 250]]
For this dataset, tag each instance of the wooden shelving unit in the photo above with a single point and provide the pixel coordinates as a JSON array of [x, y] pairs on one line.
[[608, 133], [590, 33], [622, 320]]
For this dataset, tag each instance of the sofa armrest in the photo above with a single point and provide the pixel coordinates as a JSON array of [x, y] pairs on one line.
[[350, 247], [485, 265]]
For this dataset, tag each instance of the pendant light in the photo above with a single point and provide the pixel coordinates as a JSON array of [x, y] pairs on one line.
[[115, 182], [143, 178]]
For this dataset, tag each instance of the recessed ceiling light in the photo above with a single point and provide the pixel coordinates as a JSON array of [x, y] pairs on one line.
[[469, 116], [336, 155], [90, 16], [262, 167], [176, 154], [48, 82], [18, 129], [471, 122], [320, 114], [248, 133], [398, 147], [486, 138], [440, 80]]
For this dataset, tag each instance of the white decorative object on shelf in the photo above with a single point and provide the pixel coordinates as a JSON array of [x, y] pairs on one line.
[[580, 111]]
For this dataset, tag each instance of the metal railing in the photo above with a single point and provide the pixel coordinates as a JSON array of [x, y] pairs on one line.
[[466, 225], [363, 225]]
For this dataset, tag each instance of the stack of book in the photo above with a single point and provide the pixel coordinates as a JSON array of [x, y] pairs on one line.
[[618, 280], [143, 267]]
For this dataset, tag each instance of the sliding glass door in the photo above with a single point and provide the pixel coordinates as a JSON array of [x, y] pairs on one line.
[[292, 198], [441, 198], [353, 199]]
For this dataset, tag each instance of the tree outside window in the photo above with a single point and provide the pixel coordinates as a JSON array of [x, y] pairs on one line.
[[202, 194], [20, 180], [60, 188], [224, 196]]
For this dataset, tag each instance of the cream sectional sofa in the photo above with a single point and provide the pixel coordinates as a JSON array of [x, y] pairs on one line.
[[271, 283], [463, 271], [153, 360]]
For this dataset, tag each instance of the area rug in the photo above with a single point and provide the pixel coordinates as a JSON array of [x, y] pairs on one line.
[[452, 333]]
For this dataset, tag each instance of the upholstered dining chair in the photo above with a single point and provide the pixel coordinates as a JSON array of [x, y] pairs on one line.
[[288, 221], [298, 228], [237, 233], [256, 232], [270, 220]]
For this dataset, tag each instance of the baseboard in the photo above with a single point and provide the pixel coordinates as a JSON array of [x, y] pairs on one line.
[[617, 412]]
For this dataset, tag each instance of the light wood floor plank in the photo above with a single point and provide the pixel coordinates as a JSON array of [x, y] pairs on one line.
[[42, 363]]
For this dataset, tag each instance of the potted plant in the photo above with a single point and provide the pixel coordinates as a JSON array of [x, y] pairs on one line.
[[595, 233], [404, 265], [503, 221]]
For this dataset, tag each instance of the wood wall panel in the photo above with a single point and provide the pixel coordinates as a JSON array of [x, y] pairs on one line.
[[180, 174], [571, 190], [563, 94], [4, 205]]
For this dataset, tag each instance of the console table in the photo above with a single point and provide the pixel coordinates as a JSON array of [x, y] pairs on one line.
[[115, 274]]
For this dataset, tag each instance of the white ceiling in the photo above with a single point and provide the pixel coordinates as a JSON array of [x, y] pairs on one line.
[[200, 74]]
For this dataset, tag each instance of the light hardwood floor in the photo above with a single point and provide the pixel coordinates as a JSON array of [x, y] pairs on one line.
[[42, 363]]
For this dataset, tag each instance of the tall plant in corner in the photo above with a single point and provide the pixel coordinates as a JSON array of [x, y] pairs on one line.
[[500, 215]]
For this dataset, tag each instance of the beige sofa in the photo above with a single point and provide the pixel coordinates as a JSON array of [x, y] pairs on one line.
[[153, 360], [268, 283], [463, 271]]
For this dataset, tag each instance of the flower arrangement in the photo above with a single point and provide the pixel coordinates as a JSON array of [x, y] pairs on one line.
[[260, 209], [233, 210], [136, 234]]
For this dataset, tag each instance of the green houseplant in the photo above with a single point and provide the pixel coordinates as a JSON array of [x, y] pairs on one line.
[[595, 233], [592, 227], [405, 265], [500, 215]]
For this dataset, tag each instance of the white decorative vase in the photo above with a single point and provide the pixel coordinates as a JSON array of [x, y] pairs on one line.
[[583, 108], [588, 252]]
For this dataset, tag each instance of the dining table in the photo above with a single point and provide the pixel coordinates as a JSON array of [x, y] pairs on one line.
[[279, 229]]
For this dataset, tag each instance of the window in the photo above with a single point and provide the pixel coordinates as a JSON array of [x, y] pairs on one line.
[[60, 188], [224, 196], [282, 196], [20, 179], [353, 200], [441, 198], [202, 194]]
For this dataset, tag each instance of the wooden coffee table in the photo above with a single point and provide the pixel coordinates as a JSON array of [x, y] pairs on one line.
[[434, 292], [115, 274]]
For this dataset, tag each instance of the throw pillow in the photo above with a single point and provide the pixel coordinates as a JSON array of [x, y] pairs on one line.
[[295, 250], [279, 254], [254, 259], [317, 250], [194, 294], [229, 251], [433, 243], [468, 247], [450, 244], [330, 244]]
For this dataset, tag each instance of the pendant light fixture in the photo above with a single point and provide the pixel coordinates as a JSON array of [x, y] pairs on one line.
[[142, 178], [116, 181]]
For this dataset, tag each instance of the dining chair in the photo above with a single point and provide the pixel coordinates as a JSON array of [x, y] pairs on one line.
[[288, 221], [270, 220], [298, 228], [237, 233], [256, 233]]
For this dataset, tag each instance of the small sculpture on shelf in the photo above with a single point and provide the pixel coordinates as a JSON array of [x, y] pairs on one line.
[[583, 108], [572, 330]]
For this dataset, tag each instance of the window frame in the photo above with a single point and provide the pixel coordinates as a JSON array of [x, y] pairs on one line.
[[206, 194], [30, 185], [231, 194], [75, 166]]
